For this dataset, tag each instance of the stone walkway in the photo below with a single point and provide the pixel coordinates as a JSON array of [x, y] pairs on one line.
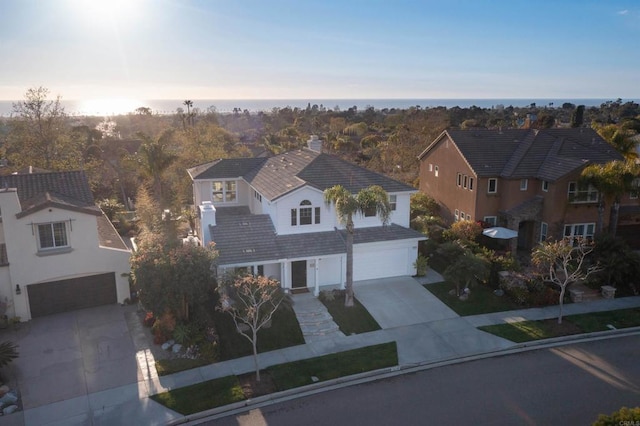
[[315, 321]]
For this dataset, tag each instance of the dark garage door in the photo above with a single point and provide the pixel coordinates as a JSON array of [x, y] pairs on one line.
[[75, 293]]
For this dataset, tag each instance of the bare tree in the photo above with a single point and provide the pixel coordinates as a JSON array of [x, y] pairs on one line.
[[251, 301], [564, 262]]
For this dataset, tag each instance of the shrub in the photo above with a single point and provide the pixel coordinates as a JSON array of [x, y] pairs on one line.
[[8, 352], [163, 328], [421, 265], [466, 231]]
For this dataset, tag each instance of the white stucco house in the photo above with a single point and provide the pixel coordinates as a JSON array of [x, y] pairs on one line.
[[269, 215], [58, 251]]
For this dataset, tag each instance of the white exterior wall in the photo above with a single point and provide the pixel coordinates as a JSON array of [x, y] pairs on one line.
[[402, 215], [281, 214], [202, 191], [85, 258], [384, 259]]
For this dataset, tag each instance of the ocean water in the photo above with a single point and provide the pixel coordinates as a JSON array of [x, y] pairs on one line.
[[110, 107]]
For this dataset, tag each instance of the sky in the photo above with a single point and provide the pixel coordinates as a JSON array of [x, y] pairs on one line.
[[320, 49]]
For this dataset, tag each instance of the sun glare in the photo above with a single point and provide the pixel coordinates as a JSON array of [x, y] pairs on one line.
[[96, 11], [108, 107]]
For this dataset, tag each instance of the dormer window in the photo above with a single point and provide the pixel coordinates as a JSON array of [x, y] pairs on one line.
[[223, 191], [305, 215]]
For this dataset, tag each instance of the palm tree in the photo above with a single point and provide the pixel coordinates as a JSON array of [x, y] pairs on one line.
[[371, 199], [155, 158], [612, 180], [188, 103]]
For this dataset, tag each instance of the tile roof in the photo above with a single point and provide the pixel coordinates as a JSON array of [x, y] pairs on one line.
[[107, 234], [546, 154], [276, 176], [245, 238], [225, 168], [68, 190]]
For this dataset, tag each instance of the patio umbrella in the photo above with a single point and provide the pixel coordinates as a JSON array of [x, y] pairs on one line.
[[500, 233]]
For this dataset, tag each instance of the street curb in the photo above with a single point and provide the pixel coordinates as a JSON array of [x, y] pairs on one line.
[[374, 375]]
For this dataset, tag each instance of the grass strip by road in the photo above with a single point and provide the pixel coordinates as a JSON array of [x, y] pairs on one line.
[[482, 300], [353, 320], [226, 390], [526, 331]]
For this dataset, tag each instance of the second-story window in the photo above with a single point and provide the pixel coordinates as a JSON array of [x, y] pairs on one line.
[[393, 202], [582, 193], [524, 183], [223, 191], [305, 215], [545, 185], [52, 236], [492, 186]]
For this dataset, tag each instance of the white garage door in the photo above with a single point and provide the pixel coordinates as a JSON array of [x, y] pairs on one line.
[[371, 263]]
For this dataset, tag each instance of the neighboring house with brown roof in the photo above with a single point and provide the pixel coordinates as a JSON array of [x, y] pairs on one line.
[[523, 179], [58, 251], [269, 215]]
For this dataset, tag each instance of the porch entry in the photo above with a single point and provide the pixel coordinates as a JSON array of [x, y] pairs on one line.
[[299, 274]]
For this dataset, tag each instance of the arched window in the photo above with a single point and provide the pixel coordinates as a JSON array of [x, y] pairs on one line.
[[306, 214]]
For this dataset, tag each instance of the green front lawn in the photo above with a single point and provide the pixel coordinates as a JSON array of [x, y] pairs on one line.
[[284, 332], [353, 320], [202, 396], [526, 331], [327, 367], [481, 301], [218, 392]]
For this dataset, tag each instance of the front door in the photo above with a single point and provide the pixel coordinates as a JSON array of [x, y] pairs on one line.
[[299, 274]]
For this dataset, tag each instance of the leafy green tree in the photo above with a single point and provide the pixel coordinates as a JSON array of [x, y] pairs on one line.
[[577, 118], [251, 301], [371, 199], [624, 416], [612, 180], [564, 262], [467, 270], [172, 278], [40, 135]]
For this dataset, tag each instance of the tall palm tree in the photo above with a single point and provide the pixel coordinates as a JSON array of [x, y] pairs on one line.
[[155, 158], [612, 180], [370, 199]]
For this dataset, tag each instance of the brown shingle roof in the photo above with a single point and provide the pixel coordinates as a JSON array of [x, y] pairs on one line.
[[276, 176], [545, 154], [68, 189]]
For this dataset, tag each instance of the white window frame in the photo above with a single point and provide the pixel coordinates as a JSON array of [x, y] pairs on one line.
[[459, 180], [588, 229], [436, 170], [430, 167], [491, 220], [465, 180], [461, 215], [226, 194], [59, 241], [468, 216], [524, 183], [393, 202], [633, 195], [470, 183], [495, 186], [544, 231], [456, 214], [545, 186], [310, 211], [577, 194]]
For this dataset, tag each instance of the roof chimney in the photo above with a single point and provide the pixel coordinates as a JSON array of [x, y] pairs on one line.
[[207, 219], [314, 144]]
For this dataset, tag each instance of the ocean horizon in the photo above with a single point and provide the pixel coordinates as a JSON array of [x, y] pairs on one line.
[[112, 107]]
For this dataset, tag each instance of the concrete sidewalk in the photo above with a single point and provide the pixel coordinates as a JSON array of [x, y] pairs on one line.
[[434, 339]]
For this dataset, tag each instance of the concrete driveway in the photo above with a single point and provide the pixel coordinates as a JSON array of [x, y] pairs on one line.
[[400, 301], [73, 354]]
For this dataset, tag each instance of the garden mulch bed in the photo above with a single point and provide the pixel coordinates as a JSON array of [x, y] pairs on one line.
[[253, 388]]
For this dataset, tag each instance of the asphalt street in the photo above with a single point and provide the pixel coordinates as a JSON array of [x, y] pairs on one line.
[[567, 385]]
